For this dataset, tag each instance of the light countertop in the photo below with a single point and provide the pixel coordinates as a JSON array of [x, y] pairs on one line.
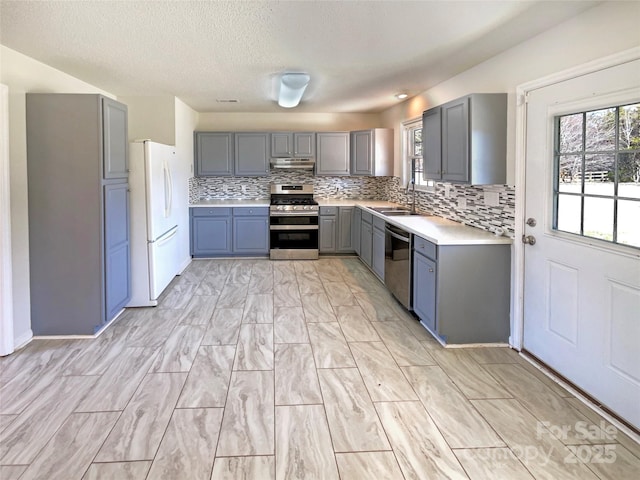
[[438, 230]]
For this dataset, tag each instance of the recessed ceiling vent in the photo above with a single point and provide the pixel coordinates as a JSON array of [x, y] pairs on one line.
[[227, 100]]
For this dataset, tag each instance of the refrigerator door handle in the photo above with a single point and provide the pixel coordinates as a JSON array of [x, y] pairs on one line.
[[168, 193], [166, 237]]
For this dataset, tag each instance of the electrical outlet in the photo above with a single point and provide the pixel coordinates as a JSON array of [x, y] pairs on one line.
[[491, 199], [244, 189], [225, 188], [462, 203], [447, 191]]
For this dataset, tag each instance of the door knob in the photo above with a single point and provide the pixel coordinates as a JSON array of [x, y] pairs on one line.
[[529, 239], [531, 222]]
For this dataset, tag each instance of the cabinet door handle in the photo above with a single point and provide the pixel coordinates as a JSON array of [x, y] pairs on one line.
[[431, 270]]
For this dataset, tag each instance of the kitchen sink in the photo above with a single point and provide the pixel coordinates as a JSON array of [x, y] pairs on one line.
[[398, 213], [393, 211]]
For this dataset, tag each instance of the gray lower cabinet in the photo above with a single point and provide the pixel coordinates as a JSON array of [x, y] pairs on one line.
[[117, 250], [210, 231], [366, 238], [332, 149], [461, 292], [424, 289], [222, 231], [250, 230], [335, 230], [344, 235], [356, 225], [378, 247], [79, 256], [327, 233]]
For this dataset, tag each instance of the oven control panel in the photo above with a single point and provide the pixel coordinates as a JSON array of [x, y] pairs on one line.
[[296, 208]]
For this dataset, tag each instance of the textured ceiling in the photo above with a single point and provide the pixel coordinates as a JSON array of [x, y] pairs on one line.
[[358, 53]]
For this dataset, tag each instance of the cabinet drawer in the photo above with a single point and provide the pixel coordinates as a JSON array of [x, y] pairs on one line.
[[366, 216], [251, 211], [210, 212], [425, 247], [378, 223], [328, 210]]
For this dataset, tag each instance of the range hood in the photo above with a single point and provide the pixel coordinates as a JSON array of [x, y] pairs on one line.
[[293, 163]]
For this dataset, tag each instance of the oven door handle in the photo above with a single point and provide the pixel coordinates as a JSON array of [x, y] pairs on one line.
[[293, 227], [397, 236], [308, 213]]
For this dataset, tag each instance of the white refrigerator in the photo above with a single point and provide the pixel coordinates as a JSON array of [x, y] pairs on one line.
[[154, 224]]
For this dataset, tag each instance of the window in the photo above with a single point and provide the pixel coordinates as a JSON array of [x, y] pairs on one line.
[[597, 174], [413, 152]]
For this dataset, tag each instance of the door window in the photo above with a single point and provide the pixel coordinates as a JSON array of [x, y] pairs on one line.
[[597, 174]]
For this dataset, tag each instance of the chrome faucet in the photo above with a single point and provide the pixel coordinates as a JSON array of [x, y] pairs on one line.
[[412, 182]]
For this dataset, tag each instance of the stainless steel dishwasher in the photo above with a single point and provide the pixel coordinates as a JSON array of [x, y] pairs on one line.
[[397, 264]]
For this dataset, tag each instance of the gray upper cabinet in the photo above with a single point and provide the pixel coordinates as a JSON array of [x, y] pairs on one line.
[[372, 152], [78, 212], [213, 153], [432, 143], [455, 141], [281, 144], [293, 144], [252, 153], [115, 141], [332, 153], [465, 140]]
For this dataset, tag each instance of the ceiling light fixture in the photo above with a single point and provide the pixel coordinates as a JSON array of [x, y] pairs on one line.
[[292, 86], [401, 96]]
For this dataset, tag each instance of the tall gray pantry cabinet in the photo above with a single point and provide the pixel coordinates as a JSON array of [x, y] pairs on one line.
[[77, 165]]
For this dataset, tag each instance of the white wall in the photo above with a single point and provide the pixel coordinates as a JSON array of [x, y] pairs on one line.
[[170, 121], [151, 117], [606, 29], [317, 122], [186, 120], [23, 74]]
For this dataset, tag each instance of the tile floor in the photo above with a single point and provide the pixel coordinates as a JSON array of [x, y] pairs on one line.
[[252, 369]]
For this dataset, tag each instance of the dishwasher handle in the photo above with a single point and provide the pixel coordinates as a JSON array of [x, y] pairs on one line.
[[397, 235]]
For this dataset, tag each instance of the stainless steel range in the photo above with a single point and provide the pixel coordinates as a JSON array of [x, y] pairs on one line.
[[293, 219]]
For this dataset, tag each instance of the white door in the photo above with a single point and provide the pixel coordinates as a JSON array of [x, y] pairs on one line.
[[161, 214], [582, 296]]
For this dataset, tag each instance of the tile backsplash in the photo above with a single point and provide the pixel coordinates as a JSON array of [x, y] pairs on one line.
[[460, 203], [463, 203], [259, 187]]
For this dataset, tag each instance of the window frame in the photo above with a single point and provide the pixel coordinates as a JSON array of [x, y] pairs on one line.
[[617, 151], [408, 153]]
